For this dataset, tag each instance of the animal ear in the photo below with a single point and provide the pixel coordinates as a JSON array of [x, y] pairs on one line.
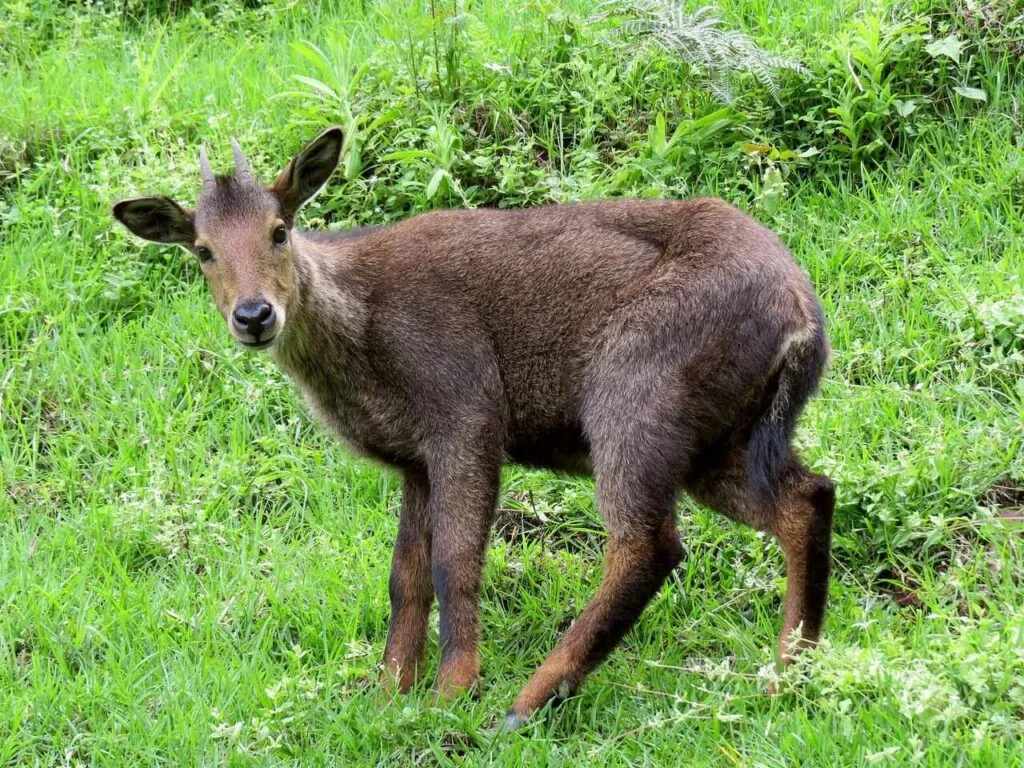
[[308, 172], [158, 219]]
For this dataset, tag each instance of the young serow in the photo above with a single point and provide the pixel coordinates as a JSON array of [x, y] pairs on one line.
[[662, 346]]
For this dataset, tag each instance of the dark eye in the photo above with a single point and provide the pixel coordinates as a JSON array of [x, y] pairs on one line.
[[280, 236], [204, 253]]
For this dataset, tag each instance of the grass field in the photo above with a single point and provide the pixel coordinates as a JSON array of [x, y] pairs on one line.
[[192, 572]]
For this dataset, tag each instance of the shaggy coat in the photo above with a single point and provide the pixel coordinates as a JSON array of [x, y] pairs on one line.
[[661, 346]]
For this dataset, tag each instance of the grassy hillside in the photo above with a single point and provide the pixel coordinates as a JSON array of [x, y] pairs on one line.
[[192, 572]]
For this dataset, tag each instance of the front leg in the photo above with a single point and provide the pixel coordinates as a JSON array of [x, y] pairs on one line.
[[410, 586], [464, 488]]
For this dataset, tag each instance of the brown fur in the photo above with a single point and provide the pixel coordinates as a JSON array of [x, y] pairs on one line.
[[662, 345]]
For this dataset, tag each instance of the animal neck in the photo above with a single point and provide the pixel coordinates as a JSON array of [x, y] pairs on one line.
[[326, 320]]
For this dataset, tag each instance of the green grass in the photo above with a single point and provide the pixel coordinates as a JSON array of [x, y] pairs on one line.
[[192, 572]]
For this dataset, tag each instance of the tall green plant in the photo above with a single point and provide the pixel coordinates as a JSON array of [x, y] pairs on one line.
[[872, 63]]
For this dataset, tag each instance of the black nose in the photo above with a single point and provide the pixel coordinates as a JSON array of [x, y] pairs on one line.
[[254, 317]]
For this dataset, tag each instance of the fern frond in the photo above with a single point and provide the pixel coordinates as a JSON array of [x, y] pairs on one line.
[[697, 38]]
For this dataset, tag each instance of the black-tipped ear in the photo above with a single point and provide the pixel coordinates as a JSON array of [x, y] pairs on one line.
[[309, 171], [158, 219]]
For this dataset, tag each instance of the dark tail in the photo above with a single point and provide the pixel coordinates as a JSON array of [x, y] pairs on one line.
[[796, 379]]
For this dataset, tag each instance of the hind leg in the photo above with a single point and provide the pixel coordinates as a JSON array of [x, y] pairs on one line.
[[800, 517], [803, 525], [643, 548], [638, 456]]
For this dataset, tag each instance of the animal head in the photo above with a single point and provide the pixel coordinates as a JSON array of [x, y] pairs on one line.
[[242, 234]]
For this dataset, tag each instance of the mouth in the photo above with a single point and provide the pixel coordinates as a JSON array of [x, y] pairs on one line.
[[257, 345]]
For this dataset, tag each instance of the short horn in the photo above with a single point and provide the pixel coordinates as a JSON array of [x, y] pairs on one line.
[[205, 171], [242, 169]]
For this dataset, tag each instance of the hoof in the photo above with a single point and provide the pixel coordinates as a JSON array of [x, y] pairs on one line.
[[513, 722]]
